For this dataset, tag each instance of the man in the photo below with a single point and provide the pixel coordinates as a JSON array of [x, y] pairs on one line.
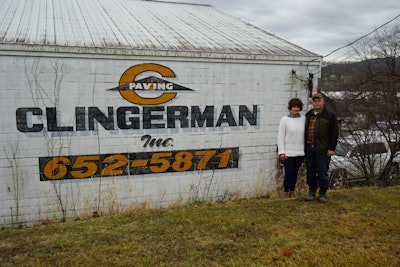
[[321, 135]]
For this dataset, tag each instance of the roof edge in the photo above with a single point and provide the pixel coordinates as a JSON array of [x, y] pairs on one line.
[[180, 3], [98, 52]]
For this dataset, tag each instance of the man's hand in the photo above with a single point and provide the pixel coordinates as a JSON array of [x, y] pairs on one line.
[[330, 153]]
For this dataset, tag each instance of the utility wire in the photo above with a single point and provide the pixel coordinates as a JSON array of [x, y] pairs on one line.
[[311, 73], [362, 37], [351, 43]]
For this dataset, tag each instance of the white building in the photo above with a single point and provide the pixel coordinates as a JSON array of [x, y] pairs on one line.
[[110, 104]]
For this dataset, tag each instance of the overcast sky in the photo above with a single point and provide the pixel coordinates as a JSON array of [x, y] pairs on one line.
[[320, 26]]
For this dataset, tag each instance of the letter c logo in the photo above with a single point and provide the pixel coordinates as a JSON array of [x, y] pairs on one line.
[[130, 75]]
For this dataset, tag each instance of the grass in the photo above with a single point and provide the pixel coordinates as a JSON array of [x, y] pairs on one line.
[[357, 227]]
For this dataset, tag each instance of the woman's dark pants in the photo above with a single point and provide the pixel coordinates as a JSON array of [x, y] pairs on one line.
[[292, 166]]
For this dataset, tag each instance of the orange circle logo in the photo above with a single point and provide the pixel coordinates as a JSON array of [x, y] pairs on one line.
[[128, 85]]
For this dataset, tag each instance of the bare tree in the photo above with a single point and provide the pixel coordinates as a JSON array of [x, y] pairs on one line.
[[41, 96], [372, 97]]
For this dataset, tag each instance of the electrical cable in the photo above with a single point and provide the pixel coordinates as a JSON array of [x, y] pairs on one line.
[[311, 72], [362, 37], [351, 43]]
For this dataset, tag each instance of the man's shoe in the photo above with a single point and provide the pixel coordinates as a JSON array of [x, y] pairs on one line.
[[323, 199], [310, 197]]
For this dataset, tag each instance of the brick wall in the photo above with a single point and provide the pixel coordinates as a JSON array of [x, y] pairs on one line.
[[34, 87]]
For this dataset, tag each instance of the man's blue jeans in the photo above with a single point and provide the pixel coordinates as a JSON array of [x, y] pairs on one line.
[[317, 170]]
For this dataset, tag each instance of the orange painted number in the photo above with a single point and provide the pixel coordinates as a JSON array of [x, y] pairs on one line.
[[183, 161], [206, 156], [56, 168], [115, 165], [87, 166], [224, 158], [159, 162]]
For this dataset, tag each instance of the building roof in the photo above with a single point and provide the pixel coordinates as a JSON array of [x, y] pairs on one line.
[[138, 25]]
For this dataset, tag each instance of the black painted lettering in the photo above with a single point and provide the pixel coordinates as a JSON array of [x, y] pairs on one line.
[[149, 117], [182, 115], [251, 117], [107, 121], [167, 142], [199, 118], [226, 116], [146, 138], [150, 141], [53, 124], [125, 120], [80, 118], [23, 125], [136, 118]]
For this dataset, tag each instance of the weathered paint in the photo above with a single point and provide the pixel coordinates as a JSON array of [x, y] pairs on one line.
[[139, 25], [72, 144]]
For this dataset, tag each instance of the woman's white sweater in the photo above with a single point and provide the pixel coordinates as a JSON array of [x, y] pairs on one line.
[[291, 136]]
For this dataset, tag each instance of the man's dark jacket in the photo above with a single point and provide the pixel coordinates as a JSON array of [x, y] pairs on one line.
[[326, 132]]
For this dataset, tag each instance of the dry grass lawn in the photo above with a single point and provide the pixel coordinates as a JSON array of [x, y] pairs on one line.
[[357, 227]]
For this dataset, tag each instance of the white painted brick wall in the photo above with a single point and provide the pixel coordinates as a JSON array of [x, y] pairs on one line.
[[30, 82]]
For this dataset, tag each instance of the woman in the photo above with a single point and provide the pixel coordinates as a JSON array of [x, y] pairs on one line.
[[291, 144]]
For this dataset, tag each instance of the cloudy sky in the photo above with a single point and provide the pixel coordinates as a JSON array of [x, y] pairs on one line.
[[320, 26]]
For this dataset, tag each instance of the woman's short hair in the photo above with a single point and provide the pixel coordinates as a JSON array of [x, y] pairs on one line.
[[295, 102]]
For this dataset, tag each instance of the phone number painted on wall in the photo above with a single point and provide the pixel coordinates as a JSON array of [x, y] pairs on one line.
[[122, 164]]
